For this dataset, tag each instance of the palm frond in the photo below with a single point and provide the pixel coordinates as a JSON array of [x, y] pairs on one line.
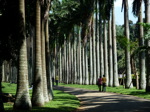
[[136, 6]]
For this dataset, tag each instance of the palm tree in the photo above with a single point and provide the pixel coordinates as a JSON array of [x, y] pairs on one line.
[[142, 54], [37, 94], [97, 40], [45, 92], [94, 53], [105, 53], [75, 56], [127, 53], [91, 54], [115, 65], [79, 58], [49, 81], [147, 18], [110, 83], [22, 101], [137, 11]]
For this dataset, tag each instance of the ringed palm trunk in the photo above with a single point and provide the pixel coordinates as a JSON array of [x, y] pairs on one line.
[[43, 57], [147, 17], [49, 77], [22, 101], [141, 55], [110, 55], [127, 52], [80, 58], [94, 53], [91, 57], [101, 51], [97, 42], [37, 94], [115, 64], [105, 54], [83, 63], [75, 57]]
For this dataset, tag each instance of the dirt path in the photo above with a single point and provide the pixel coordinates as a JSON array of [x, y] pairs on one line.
[[94, 101]]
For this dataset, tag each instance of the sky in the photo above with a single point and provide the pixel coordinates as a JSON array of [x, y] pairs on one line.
[[120, 16]]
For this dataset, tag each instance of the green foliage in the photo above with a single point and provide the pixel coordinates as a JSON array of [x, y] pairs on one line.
[[147, 29], [62, 102]]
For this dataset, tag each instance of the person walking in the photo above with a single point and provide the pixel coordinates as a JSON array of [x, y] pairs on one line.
[[104, 83], [99, 83]]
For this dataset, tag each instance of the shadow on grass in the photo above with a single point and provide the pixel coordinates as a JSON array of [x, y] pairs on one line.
[[140, 94], [62, 102]]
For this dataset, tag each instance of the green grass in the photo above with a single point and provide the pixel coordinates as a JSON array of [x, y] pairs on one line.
[[62, 102], [120, 90]]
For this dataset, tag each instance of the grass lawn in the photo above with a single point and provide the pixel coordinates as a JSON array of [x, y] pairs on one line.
[[62, 102], [120, 90]]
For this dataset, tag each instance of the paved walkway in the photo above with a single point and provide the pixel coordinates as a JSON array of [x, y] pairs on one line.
[[94, 101]]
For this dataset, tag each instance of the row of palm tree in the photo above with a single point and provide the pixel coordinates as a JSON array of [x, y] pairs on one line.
[[79, 49], [42, 89], [88, 63]]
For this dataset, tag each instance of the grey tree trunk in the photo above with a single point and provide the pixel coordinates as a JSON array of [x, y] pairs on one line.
[[65, 60], [83, 64], [110, 81], [94, 53], [22, 101], [86, 65], [141, 55], [101, 50], [115, 63], [75, 58], [127, 52], [43, 56], [147, 17], [105, 54], [37, 94], [97, 43], [48, 73], [60, 64], [80, 58], [91, 56]]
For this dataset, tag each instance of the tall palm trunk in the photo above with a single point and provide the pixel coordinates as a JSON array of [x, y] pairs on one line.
[[110, 83], [43, 56], [101, 50], [97, 42], [115, 64], [75, 57], [37, 95], [22, 101], [80, 58], [49, 77], [127, 53], [65, 60], [147, 17], [94, 53], [83, 63], [91, 53], [141, 55], [105, 53], [60, 64]]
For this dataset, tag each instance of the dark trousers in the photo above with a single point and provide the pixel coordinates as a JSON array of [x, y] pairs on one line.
[[56, 82], [104, 87], [100, 88]]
